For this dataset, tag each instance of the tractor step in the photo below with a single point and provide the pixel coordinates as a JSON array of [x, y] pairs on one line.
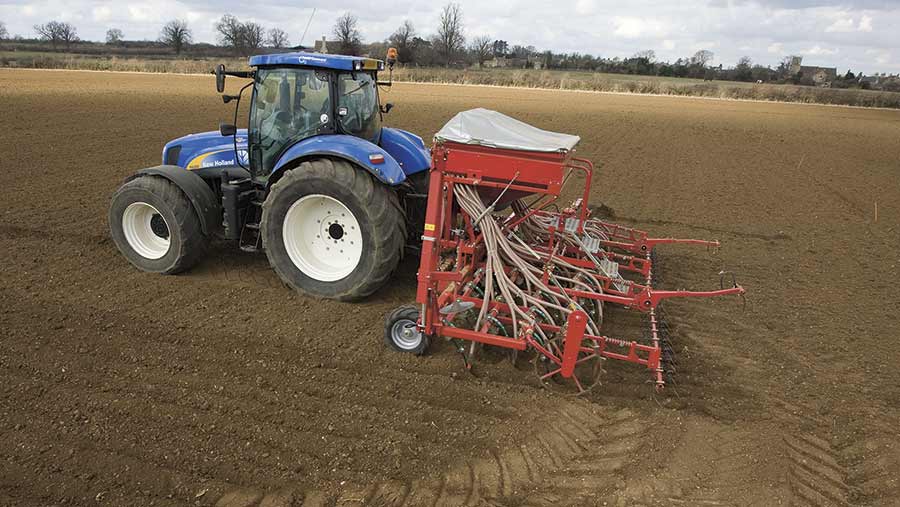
[[251, 239]]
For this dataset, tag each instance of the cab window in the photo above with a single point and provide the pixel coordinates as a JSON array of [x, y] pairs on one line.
[[358, 111], [289, 105]]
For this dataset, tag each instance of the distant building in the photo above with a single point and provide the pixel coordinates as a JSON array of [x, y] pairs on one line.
[[820, 76], [321, 46], [498, 62]]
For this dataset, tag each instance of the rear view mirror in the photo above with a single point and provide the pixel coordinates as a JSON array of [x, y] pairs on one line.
[[220, 78]]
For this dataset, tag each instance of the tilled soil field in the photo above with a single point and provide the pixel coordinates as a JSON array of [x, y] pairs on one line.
[[223, 387]]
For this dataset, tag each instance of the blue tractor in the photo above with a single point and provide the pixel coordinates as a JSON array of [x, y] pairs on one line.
[[315, 180]]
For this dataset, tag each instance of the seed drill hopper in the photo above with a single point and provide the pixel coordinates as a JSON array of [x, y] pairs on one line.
[[497, 270]]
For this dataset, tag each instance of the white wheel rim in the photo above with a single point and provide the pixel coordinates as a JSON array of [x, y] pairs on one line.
[[406, 335], [322, 238], [138, 224]]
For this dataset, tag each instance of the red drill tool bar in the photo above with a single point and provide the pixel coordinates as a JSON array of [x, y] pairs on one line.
[[634, 240], [528, 276]]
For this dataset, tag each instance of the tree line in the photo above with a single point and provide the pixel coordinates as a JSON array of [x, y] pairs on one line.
[[243, 37], [448, 46]]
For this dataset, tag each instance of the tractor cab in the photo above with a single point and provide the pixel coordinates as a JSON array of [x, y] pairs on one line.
[[297, 96]]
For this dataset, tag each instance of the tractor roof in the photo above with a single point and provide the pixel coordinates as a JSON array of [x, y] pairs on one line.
[[325, 61]]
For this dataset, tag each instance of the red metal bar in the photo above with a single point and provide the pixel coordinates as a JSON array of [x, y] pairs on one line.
[[648, 244], [475, 336], [572, 346], [626, 262]]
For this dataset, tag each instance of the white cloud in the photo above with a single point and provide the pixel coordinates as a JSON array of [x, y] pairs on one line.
[[630, 27], [882, 57], [842, 25], [865, 24], [845, 22], [102, 13], [668, 44], [139, 12], [775, 48], [584, 7], [818, 50]]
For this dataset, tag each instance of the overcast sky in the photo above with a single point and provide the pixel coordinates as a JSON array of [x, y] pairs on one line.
[[863, 35]]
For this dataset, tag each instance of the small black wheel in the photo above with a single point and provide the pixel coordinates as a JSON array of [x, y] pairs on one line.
[[155, 226], [401, 333]]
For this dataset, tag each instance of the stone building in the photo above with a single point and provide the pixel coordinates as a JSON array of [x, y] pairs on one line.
[[820, 76]]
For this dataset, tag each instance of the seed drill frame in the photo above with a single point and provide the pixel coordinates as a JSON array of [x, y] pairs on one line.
[[536, 278]]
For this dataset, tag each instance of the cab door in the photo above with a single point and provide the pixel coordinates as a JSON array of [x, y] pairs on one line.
[[289, 104]]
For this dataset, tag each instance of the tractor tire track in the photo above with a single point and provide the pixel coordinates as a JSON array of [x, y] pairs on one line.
[[816, 477], [501, 474]]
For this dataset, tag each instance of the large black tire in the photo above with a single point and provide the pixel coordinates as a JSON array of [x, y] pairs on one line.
[[375, 207], [180, 225]]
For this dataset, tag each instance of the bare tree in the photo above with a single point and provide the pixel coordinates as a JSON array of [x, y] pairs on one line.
[[647, 54], [57, 32], [402, 39], [500, 48], [278, 38], [482, 48], [702, 57], [450, 39], [114, 36], [176, 34], [744, 69], [785, 66], [254, 35], [230, 31], [4, 34], [243, 38], [347, 34]]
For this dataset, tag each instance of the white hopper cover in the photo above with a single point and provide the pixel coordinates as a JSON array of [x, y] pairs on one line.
[[490, 128]]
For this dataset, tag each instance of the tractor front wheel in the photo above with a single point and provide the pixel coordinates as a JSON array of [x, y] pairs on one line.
[[155, 227], [330, 230]]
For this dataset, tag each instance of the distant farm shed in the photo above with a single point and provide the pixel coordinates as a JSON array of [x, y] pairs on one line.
[[321, 46]]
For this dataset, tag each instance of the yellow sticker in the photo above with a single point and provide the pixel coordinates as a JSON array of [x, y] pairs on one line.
[[429, 227]]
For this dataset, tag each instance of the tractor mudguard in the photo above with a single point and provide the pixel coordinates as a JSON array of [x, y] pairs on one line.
[[352, 149], [407, 148], [202, 198]]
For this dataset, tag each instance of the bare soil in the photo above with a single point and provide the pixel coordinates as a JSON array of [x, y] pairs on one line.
[[221, 386]]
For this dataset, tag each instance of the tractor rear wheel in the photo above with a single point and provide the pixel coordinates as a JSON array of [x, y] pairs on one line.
[[330, 230], [155, 227]]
